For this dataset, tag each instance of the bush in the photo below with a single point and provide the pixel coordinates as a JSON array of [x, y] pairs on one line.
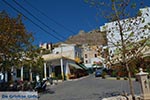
[[104, 75], [118, 78], [125, 78], [57, 77], [114, 73]]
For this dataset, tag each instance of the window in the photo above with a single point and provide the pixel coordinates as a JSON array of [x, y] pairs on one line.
[[86, 61], [47, 46], [85, 55], [76, 54], [18, 73], [95, 55], [57, 52]]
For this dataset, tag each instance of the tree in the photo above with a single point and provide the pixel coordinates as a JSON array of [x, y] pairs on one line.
[[126, 34], [34, 60], [14, 40]]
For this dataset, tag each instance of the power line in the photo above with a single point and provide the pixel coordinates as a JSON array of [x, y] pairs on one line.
[[31, 20], [42, 13], [37, 18]]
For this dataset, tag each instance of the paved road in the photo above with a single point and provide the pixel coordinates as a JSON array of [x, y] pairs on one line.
[[88, 88]]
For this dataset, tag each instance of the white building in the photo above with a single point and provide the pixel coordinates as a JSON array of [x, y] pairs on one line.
[[55, 63], [62, 59], [129, 25], [71, 51]]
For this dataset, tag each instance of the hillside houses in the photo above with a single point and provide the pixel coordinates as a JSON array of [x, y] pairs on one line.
[[61, 62], [138, 25], [75, 52], [72, 58], [136, 34]]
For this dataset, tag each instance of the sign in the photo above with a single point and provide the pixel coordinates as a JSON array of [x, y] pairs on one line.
[[18, 95]]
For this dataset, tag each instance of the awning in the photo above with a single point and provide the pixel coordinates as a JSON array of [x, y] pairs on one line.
[[75, 65], [84, 67]]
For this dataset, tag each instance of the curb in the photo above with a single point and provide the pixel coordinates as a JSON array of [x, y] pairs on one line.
[[121, 78]]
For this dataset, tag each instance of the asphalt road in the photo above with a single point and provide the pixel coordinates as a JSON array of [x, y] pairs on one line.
[[88, 88]]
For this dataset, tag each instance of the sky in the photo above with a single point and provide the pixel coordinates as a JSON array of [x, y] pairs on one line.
[[53, 21]]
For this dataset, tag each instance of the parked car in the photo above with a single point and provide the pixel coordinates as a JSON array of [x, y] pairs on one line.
[[98, 73]]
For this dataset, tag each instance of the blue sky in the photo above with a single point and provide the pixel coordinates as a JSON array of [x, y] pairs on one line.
[[70, 17]]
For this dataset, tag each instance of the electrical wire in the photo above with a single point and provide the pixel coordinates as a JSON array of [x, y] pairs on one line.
[[42, 13], [37, 18], [31, 21]]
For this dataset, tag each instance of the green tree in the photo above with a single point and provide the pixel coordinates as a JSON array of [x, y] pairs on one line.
[[128, 36], [14, 40], [34, 60]]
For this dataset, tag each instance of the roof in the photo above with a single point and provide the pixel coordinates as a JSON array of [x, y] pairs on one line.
[[50, 57]]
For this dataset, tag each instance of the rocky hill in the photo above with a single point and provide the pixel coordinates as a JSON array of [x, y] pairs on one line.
[[94, 37]]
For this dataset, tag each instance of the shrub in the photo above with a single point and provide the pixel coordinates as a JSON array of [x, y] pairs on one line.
[[118, 78], [114, 73], [125, 78], [103, 75]]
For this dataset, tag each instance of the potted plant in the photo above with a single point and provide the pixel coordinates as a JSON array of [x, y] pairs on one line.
[[103, 75], [118, 77]]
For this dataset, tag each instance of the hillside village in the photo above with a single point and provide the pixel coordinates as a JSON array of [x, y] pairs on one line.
[[83, 49], [93, 48], [83, 52], [46, 52]]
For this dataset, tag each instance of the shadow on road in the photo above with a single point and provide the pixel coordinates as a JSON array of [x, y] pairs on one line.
[[48, 91], [107, 94]]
